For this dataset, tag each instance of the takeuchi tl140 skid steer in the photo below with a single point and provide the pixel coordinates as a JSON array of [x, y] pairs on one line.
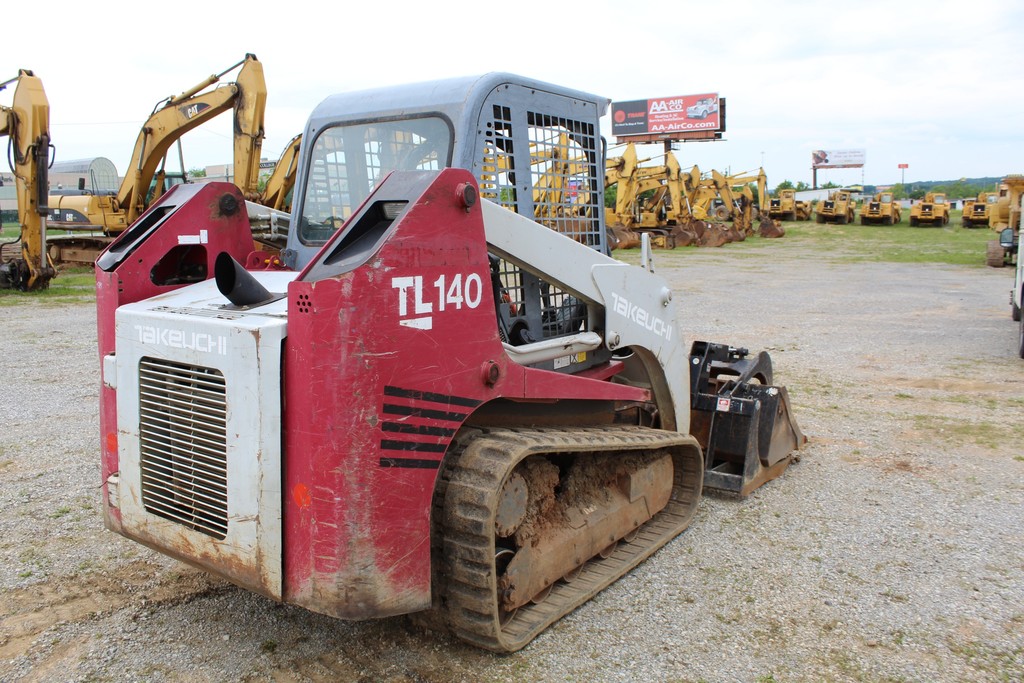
[[443, 398]]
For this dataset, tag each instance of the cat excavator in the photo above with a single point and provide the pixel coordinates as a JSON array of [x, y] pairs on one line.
[[277, 192], [740, 202], [648, 199], [26, 124], [91, 221], [676, 208]]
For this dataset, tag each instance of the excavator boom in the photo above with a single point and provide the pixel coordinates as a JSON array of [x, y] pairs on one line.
[[247, 95], [27, 123], [170, 120], [282, 180]]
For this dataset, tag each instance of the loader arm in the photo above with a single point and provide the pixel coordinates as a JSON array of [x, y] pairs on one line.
[[636, 303], [27, 123]]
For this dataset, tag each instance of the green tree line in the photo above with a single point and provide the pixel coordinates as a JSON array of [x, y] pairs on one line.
[[964, 188]]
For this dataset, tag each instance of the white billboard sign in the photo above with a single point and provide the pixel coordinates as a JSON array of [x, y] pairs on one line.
[[838, 158]]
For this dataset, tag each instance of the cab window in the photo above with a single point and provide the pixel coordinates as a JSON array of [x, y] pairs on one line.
[[349, 161]]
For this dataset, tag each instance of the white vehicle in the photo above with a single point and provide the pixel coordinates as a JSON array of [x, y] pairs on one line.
[[704, 106]]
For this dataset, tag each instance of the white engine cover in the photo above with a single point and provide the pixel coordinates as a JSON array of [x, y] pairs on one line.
[[199, 430]]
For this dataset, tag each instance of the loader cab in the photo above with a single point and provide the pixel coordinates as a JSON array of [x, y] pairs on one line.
[[533, 147]]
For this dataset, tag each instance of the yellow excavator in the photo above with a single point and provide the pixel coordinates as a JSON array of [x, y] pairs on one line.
[[1005, 219], [680, 209], [94, 220], [26, 124], [736, 193], [719, 198], [276, 193], [632, 214], [655, 199], [270, 211]]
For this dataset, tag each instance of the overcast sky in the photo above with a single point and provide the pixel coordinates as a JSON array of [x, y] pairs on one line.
[[937, 85]]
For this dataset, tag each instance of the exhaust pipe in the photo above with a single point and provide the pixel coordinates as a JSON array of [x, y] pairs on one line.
[[238, 285]]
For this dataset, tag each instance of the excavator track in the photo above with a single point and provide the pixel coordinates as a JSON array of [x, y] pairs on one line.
[[466, 581]]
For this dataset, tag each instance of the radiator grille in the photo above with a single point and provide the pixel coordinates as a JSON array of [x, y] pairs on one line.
[[183, 435]]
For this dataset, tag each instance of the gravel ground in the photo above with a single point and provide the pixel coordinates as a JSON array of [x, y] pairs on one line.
[[893, 551]]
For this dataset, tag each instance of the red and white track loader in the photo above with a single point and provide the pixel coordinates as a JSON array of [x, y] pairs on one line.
[[430, 402]]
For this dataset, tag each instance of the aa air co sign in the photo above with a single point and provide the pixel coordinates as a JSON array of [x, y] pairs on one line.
[[838, 158], [678, 116]]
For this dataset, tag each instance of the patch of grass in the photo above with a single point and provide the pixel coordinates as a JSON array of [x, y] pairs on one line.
[[846, 663], [987, 434], [950, 244], [72, 285], [903, 395], [34, 562], [734, 618], [1000, 403], [60, 512], [1000, 663]]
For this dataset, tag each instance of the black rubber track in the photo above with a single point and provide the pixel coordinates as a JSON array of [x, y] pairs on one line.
[[465, 579]]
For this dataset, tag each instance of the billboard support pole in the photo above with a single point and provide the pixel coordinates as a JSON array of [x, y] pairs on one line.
[[814, 177]]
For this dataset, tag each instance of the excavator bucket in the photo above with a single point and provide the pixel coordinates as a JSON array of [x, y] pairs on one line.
[[771, 228], [622, 238], [744, 424]]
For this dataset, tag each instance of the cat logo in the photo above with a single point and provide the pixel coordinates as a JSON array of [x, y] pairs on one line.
[[193, 110]]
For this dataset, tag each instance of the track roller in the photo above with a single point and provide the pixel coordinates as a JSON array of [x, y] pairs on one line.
[[531, 523]]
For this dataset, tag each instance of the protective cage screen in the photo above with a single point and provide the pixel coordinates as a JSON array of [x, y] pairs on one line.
[[562, 177]]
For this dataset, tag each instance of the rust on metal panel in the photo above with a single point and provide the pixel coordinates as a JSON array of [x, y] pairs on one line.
[[205, 556]]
